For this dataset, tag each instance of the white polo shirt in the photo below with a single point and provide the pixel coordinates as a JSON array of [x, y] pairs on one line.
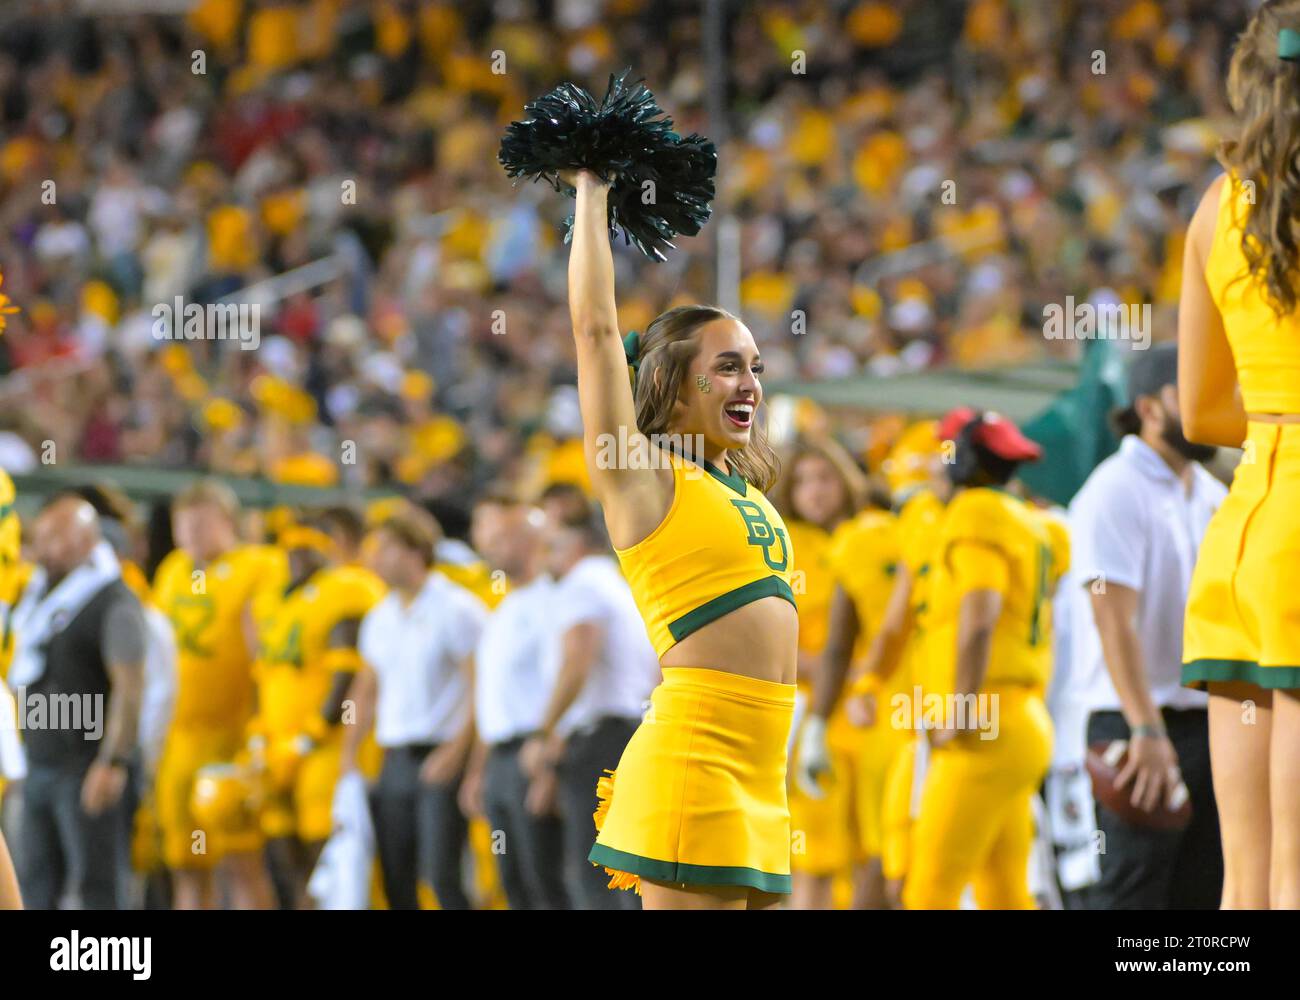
[[1134, 523], [510, 688], [416, 652], [626, 669]]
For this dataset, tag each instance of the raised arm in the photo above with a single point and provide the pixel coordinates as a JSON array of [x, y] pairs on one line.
[[1208, 398], [635, 500], [603, 388]]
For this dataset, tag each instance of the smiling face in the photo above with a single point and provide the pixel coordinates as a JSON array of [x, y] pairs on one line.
[[727, 363]]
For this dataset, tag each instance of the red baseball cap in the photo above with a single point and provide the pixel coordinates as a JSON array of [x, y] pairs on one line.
[[995, 432]]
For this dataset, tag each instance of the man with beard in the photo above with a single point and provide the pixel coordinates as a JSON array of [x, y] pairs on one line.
[[1136, 526]]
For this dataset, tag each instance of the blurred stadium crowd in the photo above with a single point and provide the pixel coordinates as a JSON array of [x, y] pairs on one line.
[[149, 157]]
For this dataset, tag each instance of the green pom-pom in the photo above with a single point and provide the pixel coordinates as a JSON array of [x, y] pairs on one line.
[[628, 139]]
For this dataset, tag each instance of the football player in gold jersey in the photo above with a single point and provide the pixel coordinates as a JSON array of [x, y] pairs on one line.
[[206, 588], [894, 661], [306, 660], [875, 558], [982, 685]]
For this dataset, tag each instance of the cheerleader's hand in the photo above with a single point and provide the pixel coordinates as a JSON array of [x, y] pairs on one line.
[[814, 757], [587, 177]]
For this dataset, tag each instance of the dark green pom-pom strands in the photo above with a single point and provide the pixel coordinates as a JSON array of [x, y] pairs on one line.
[[662, 182]]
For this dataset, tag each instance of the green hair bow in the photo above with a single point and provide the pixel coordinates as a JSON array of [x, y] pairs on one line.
[[1288, 45], [632, 351]]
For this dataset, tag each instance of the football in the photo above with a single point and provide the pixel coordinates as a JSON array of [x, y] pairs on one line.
[[1105, 761]]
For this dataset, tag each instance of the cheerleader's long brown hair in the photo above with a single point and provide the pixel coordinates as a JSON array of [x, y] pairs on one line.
[[1264, 91]]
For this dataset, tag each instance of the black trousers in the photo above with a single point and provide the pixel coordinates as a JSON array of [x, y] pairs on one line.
[[1156, 869], [588, 754], [531, 858], [65, 850], [419, 830]]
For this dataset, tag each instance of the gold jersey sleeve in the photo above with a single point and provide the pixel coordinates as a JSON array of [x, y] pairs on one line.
[[918, 539], [813, 583], [864, 557], [206, 607], [918, 523], [865, 554]]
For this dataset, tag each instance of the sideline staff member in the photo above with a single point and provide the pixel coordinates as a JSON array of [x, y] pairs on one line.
[[417, 644]]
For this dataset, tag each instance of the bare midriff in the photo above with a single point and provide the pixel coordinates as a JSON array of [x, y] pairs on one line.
[[759, 639]]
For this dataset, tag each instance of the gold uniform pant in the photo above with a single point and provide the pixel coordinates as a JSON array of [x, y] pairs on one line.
[[1243, 605], [184, 844], [845, 826], [305, 809], [699, 796], [976, 823], [896, 823]]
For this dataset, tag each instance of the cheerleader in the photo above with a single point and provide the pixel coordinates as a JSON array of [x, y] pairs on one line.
[[1239, 386], [696, 815]]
